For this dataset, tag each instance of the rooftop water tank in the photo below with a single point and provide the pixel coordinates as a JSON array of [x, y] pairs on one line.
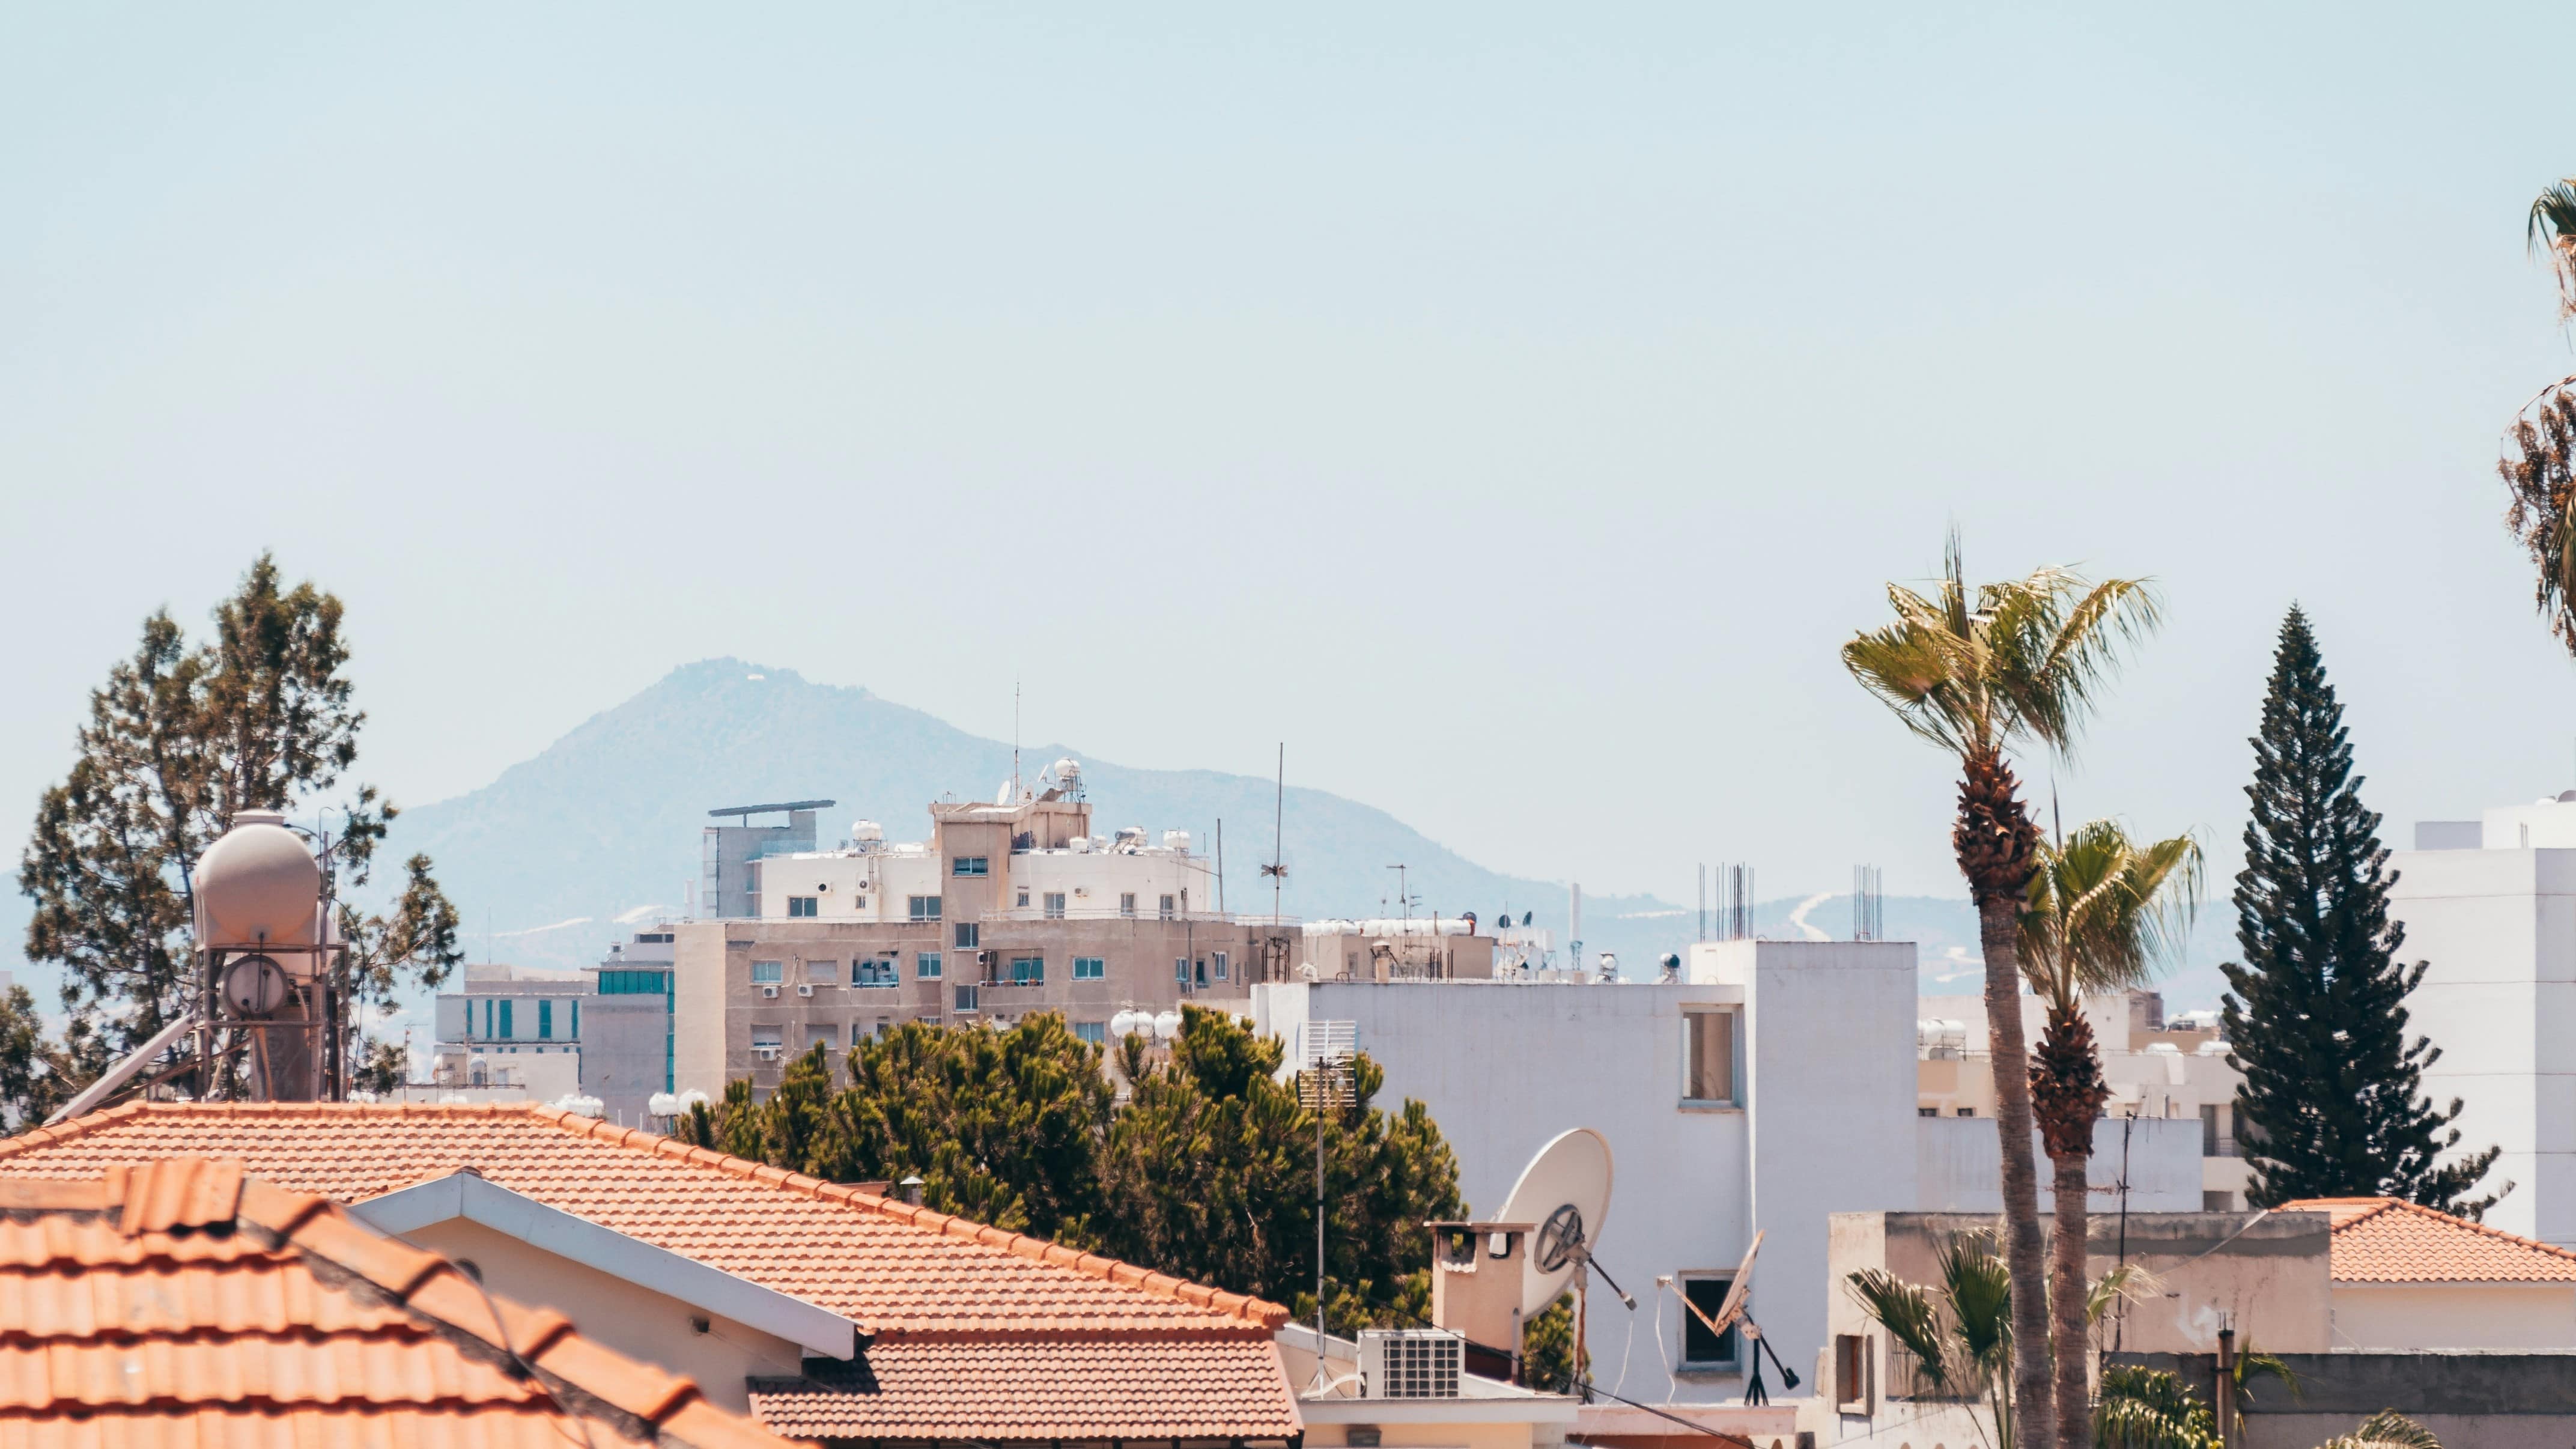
[[1167, 1026], [1177, 840], [259, 884]]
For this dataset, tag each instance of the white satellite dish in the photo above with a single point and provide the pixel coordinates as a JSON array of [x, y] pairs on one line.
[[1565, 1191], [1736, 1292]]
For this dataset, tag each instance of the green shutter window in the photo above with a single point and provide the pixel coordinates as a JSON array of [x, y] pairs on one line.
[[545, 1021], [505, 1020]]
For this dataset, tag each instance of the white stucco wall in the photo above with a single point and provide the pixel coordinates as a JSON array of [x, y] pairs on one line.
[[1959, 1165], [1506, 1067], [2455, 1315], [2498, 927]]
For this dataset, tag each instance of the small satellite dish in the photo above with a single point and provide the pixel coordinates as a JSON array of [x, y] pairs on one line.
[[1736, 1292], [1566, 1191], [1002, 796]]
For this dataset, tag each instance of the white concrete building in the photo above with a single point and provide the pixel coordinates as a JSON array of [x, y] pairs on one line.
[[2172, 1109], [2490, 905], [1775, 1087]]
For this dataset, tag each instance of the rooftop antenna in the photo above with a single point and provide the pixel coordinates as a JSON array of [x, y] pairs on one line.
[[1403, 901], [1015, 742], [1321, 1086], [1277, 868]]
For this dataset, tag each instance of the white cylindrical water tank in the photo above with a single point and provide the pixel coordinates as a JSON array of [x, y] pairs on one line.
[[1127, 1023], [260, 885], [662, 1104], [866, 832], [1068, 772], [1177, 840], [1167, 1026]]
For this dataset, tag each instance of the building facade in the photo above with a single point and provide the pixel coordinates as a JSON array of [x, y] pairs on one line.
[[513, 1033], [2490, 906]]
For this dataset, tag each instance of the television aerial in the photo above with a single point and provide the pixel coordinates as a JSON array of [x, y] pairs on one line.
[[1732, 1310]]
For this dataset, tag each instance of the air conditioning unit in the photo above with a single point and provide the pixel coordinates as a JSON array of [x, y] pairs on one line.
[[1411, 1363], [770, 991], [807, 989], [768, 1051]]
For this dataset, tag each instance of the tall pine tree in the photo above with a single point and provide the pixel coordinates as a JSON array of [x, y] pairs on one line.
[[2332, 1104]]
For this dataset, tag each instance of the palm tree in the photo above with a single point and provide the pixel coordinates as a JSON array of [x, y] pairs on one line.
[[1975, 672], [1959, 1333], [2539, 462], [2100, 915]]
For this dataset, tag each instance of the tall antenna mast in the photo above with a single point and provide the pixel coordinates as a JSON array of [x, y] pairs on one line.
[[1015, 742], [1277, 869]]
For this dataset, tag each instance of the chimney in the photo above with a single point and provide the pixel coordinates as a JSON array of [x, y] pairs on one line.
[[1477, 1273]]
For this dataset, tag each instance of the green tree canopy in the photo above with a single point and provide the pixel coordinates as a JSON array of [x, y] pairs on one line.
[[1206, 1170], [178, 741], [2315, 1014]]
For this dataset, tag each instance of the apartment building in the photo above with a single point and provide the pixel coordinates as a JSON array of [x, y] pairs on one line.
[[513, 1033], [2490, 905], [1006, 909], [2170, 1084]]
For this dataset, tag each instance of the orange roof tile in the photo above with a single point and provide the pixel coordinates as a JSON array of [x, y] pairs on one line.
[[897, 1270], [178, 1303], [1164, 1352], [1064, 1390], [2386, 1240]]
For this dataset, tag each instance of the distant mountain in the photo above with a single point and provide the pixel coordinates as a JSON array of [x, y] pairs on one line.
[[565, 852], [603, 827]]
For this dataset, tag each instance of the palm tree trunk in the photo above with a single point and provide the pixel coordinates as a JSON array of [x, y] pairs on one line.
[[2025, 1250], [1997, 846], [2066, 1294]]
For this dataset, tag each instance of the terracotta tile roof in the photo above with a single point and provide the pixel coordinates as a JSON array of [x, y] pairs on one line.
[[2384, 1240], [179, 1303], [1165, 1351], [1068, 1390], [896, 1270]]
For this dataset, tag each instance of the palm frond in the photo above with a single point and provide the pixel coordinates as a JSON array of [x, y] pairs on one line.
[[2387, 1429], [1906, 1312], [2551, 232], [1975, 668], [1978, 1286], [2130, 1281], [2141, 1408], [2102, 913]]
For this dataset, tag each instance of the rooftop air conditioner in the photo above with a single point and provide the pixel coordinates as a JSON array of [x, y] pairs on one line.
[[769, 991], [1411, 1363], [807, 989], [768, 1051]]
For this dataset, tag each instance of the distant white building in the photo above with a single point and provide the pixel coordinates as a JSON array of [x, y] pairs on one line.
[[2490, 904]]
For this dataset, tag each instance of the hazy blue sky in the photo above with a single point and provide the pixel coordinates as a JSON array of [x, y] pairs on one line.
[[1510, 408]]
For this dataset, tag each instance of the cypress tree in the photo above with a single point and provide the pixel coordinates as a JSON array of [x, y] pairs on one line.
[[2332, 1104]]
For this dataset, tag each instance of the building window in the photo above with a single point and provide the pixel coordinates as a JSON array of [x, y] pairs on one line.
[[1700, 1348], [922, 908], [926, 966], [823, 973], [1127, 903], [487, 1016], [822, 1034], [1851, 1373], [545, 1020], [1181, 971], [969, 935], [971, 865], [767, 973], [576, 1021], [1967, 1111], [1028, 971], [506, 1029], [1927, 1111], [1167, 908], [1089, 968], [1219, 958], [1055, 905], [2214, 1200], [1708, 1056], [771, 1037], [880, 972], [2215, 1139], [801, 906], [1094, 1032], [965, 998], [1021, 902]]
